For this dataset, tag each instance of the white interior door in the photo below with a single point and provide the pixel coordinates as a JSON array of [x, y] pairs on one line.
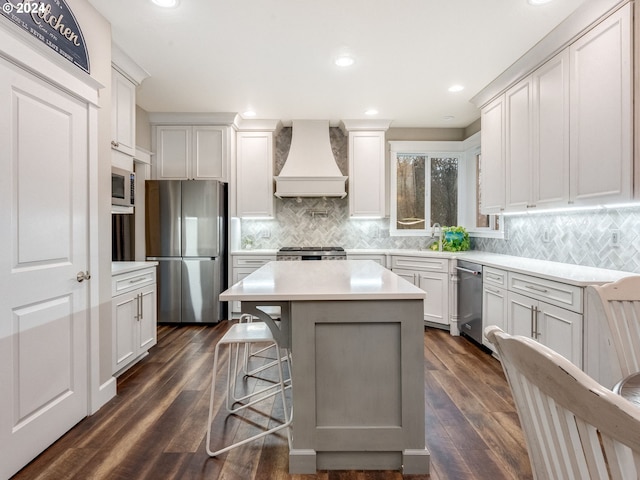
[[43, 245]]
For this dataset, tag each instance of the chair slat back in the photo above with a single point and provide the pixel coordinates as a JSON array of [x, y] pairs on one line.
[[574, 427], [621, 306]]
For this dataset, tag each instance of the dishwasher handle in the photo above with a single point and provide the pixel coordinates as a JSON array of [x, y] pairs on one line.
[[466, 270]]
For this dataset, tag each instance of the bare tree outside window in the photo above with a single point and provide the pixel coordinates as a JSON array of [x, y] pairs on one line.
[[444, 190], [410, 192]]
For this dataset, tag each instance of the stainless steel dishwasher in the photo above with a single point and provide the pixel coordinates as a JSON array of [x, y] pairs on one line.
[[470, 299]]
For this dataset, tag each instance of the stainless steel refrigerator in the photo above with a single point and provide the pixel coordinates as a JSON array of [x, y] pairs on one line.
[[186, 231]]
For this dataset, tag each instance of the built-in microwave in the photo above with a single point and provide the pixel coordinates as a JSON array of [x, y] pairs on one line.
[[123, 187]]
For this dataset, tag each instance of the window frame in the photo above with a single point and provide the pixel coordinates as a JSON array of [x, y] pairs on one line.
[[467, 151]]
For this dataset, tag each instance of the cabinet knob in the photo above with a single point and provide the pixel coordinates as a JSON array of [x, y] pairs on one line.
[[114, 143]]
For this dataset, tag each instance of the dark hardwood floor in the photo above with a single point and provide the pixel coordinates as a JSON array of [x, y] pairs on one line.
[[155, 427]]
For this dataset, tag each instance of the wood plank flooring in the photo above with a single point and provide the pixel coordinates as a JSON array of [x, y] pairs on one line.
[[155, 428]]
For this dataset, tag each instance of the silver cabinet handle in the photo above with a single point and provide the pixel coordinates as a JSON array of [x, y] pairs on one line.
[[535, 316], [492, 290], [82, 276], [493, 277], [137, 280], [537, 289], [532, 328], [141, 307]]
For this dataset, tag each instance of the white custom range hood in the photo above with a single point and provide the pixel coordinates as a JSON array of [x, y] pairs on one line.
[[310, 169]]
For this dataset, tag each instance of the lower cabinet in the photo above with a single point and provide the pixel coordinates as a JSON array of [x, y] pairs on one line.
[[242, 266], [494, 310], [134, 317], [432, 276], [555, 327]]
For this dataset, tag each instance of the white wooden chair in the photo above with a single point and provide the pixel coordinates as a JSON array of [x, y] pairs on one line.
[[574, 427], [621, 306], [244, 335]]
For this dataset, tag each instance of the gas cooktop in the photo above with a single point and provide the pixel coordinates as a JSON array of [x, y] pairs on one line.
[[311, 253], [311, 249]]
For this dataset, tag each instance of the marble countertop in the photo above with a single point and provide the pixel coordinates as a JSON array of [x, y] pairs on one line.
[[578, 275], [125, 267], [344, 280]]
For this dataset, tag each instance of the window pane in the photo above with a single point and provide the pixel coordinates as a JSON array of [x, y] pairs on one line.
[[444, 191], [482, 221], [410, 192]]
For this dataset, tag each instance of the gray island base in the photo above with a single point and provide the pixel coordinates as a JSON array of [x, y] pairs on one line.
[[357, 373]]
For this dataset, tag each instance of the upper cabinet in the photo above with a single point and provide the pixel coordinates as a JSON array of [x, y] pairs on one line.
[[562, 135], [367, 182], [492, 162], [126, 75], [123, 113], [254, 181], [192, 147], [601, 112]]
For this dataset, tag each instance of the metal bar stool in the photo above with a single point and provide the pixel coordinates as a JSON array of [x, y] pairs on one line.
[[244, 335]]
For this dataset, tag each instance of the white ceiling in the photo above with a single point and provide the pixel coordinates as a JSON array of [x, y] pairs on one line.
[[276, 56]]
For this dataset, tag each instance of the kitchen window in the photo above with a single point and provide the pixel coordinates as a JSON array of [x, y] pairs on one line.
[[437, 182]]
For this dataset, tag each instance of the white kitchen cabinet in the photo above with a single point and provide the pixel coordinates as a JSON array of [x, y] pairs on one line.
[[254, 175], [550, 155], [123, 113], [557, 328], [518, 144], [494, 301], [380, 258], [367, 193], [432, 276], [242, 266], [198, 152], [134, 317], [492, 162], [601, 112]]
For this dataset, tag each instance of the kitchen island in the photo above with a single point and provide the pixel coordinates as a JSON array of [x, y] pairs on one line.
[[356, 334]]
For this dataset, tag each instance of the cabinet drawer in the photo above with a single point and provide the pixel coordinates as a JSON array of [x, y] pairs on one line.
[[254, 261], [130, 281], [424, 264], [555, 293], [494, 276]]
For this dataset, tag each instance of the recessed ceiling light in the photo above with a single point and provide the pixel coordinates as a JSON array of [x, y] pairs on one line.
[[166, 3], [538, 2], [456, 88], [344, 61], [371, 111], [249, 113]]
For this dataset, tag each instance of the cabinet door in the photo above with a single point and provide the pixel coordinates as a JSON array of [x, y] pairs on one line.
[[173, 151], [560, 330], [551, 132], [492, 163], [124, 312], [366, 174], [494, 310], [436, 305], [601, 112], [408, 275], [148, 320], [255, 174], [518, 146], [209, 152], [520, 314], [123, 114]]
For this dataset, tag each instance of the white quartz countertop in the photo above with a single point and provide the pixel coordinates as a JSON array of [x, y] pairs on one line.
[[343, 280], [118, 268]]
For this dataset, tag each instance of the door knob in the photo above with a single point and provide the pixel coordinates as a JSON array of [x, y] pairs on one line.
[[81, 276]]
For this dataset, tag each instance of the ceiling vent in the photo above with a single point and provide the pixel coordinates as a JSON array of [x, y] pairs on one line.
[[310, 169]]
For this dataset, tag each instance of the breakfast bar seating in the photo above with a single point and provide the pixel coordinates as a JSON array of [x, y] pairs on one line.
[[356, 331]]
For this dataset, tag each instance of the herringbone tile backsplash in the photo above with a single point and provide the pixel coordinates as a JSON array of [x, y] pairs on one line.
[[576, 238], [582, 238]]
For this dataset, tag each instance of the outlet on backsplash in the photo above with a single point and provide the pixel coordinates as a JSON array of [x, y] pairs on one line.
[[615, 238], [546, 237]]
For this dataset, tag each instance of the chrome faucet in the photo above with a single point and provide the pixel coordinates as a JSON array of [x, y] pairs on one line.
[[433, 230]]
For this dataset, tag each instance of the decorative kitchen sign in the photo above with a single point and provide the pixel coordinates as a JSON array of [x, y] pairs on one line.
[[53, 23]]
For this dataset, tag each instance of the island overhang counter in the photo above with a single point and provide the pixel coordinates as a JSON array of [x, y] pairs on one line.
[[356, 334]]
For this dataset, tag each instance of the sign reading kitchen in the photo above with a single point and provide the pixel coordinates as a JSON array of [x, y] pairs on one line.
[[53, 23]]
